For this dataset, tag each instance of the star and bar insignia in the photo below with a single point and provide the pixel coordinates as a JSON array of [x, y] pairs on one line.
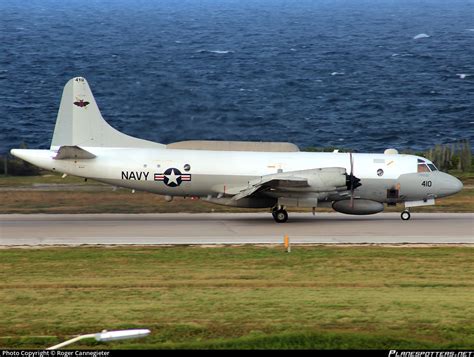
[[172, 177]]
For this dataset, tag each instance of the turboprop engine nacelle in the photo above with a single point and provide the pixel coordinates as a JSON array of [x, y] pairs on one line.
[[359, 206], [326, 179]]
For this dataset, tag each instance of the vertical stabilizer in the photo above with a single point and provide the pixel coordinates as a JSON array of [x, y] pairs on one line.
[[80, 123]]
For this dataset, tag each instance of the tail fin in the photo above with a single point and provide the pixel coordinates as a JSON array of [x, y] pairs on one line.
[[80, 123]]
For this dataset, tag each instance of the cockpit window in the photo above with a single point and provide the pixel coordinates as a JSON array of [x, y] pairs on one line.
[[423, 168], [433, 167]]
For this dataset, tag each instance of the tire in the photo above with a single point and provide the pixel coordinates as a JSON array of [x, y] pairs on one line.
[[405, 215], [280, 216]]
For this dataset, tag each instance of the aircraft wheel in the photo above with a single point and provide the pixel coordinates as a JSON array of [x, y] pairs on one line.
[[405, 215], [280, 216]]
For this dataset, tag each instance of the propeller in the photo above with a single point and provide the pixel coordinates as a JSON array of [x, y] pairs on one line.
[[352, 181]]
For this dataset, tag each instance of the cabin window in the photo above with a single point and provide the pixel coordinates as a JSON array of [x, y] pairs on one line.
[[423, 168]]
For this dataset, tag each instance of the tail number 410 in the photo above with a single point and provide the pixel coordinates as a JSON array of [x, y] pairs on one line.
[[426, 184]]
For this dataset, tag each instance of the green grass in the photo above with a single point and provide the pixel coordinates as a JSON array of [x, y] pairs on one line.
[[49, 178], [240, 297]]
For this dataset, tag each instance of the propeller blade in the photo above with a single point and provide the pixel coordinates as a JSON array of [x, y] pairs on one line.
[[352, 180], [352, 164]]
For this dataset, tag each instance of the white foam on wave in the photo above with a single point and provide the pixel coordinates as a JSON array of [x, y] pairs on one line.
[[337, 73], [219, 52], [402, 55], [421, 35], [462, 75]]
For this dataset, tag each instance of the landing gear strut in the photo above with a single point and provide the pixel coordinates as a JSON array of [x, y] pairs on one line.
[[405, 215], [280, 215]]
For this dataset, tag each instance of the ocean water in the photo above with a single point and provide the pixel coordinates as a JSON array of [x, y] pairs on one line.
[[360, 74]]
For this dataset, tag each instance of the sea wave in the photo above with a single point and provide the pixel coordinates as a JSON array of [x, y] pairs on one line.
[[421, 35], [219, 52], [244, 70]]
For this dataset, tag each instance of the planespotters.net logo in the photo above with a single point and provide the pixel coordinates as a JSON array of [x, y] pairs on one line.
[[395, 353]]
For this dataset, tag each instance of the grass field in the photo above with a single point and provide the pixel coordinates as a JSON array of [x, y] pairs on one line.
[[240, 297]]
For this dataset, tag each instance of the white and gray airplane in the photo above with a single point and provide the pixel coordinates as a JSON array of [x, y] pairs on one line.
[[239, 174]]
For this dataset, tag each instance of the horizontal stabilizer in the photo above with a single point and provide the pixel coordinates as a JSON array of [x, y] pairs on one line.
[[73, 152]]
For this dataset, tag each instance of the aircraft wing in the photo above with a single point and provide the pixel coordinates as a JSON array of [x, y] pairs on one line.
[[268, 183], [313, 180]]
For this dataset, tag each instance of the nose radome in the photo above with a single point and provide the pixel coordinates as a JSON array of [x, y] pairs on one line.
[[456, 184], [451, 185]]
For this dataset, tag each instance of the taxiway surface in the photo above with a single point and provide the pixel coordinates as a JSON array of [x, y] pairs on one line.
[[233, 228]]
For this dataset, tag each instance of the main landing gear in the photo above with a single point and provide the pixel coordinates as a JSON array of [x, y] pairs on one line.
[[280, 215], [405, 215]]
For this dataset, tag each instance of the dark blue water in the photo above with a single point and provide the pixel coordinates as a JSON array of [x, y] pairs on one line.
[[316, 73]]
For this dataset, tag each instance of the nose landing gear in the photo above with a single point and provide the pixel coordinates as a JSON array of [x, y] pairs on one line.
[[405, 215]]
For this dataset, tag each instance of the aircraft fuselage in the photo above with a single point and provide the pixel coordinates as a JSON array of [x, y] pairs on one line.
[[203, 173]]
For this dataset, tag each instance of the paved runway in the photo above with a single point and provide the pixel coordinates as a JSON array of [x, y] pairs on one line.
[[233, 228]]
